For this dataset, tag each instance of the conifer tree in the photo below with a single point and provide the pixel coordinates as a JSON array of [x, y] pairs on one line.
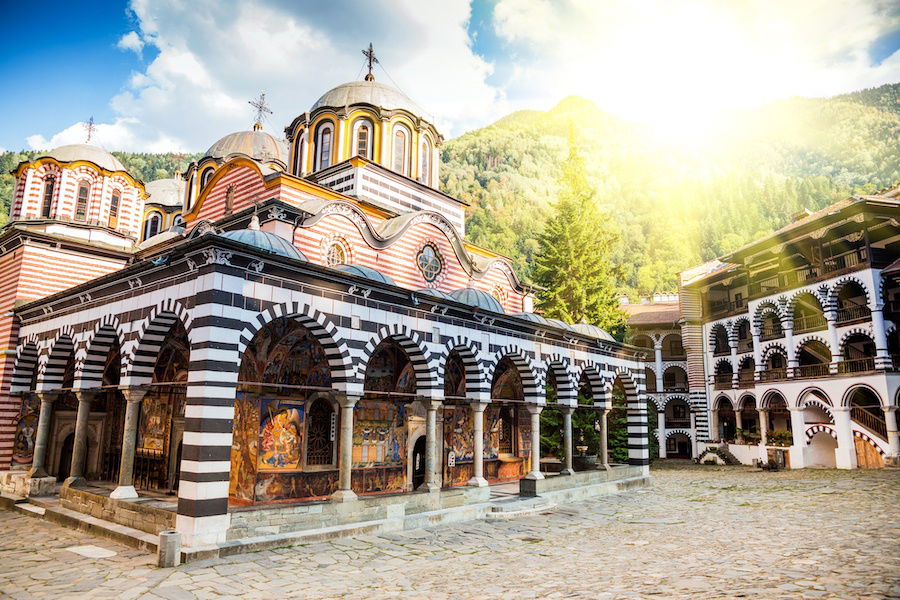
[[574, 262]]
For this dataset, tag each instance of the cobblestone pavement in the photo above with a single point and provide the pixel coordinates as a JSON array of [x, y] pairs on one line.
[[700, 532]]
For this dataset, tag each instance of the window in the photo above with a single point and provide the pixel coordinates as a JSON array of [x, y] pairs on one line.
[[320, 432], [675, 347], [114, 209], [178, 221], [679, 411], [49, 183], [207, 175], [400, 152], [363, 138], [425, 163], [429, 262], [152, 225], [323, 146], [81, 201], [335, 255]]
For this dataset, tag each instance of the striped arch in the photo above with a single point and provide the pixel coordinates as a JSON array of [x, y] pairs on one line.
[[712, 334], [567, 387], [820, 295], [864, 436], [636, 411], [414, 346], [658, 402], [765, 307], [820, 428], [25, 365], [320, 326], [675, 397], [477, 387], [59, 352], [840, 284], [845, 401], [735, 325], [532, 378], [685, 432], [590, 372], [811, 338], [106, 335], [742, 401], [723, 360], [139, 365], [773, 347], [866, 331]]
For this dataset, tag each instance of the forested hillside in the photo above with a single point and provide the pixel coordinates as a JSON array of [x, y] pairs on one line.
[[672, 205], [675, 205]]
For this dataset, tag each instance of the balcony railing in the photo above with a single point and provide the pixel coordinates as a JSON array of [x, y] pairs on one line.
[[857, 365], [773, 375], [770, 331], [812, 322], [676, 387], [720, 307], [811, 371], [846, 260], [807, 273], [723, 381], [678, 423], [745, 379], [853, 313]]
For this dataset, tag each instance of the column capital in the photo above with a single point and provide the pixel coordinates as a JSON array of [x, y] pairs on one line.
[[566, 409], [534, 409], [85, 396], [346, 401], [478, 405], [134, 394], [48, 396], [432, 403]]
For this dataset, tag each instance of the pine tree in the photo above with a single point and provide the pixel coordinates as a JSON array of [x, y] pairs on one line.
[[574, 261]]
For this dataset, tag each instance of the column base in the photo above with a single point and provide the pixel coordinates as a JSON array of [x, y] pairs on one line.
[[124, 492], [429, 487], [37, 473], [606, 467], [40, 486], [344, 496], [567, 472], [477, 482], [74, 482], [534, 475]]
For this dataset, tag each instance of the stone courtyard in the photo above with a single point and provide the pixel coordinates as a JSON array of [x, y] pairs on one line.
[[699, 532]]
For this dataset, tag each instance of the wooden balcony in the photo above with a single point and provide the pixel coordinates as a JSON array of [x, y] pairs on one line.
[[745, 379], [857, 365], [851, 314], [723, 381], [770, 331], [812, 322], [773, 375], [811, 371]]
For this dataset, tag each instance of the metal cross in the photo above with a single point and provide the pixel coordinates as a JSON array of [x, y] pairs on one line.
[[90, 128], [262, 109], [371, 60]]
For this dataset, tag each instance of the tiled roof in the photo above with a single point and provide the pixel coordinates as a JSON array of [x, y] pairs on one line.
[[652, 314]]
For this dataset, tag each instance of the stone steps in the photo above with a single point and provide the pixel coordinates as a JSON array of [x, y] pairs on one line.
[[510, 508]]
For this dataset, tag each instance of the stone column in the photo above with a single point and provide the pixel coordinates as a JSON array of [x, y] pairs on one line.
[[845, 454], [763, 426], [798, 435], [791, 351], [535, 411], [882, 358], [567, 439], [432, 482], [79, 450], [739, 421], [39, 457], [890, 419], [735, 376], [657, 348], [833, 343], [604, 440], [714, 424], [478, 479], [757, 355], [345, 492], [125, 489], [661, 428]]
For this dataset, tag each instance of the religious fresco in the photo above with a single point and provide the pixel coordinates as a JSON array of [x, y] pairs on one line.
[[26, 429], [379, 433], [390, 370], [244, 446], [153, 430], [281, 435], [492, 432]]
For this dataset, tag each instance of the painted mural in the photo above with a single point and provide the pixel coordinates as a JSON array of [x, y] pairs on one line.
[[379, 433], [153, 430], [281, 435], [26, 429]]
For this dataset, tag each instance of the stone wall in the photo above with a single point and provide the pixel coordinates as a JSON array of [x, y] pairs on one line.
[[579, 479], [17, 483], [124, 512]]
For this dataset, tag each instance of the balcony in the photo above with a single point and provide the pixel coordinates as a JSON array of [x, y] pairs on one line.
[[857, 365], [675, 388], [811, 371], [723, 381], [851, 314], [770, 331], [678, 423], [773, 375], [745, 379], [720, 308], [813, 322], [851, 260]]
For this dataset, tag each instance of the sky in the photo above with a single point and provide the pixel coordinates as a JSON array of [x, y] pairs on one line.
[[172, 75]]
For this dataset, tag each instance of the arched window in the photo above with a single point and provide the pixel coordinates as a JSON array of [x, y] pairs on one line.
[[81, 201], [49, 183], [207, 175], [178, 221], [320, 430], [335, 255], [425, 162], [324, 143], [152, 225], [114, 209], [362, 138], [401, 150]]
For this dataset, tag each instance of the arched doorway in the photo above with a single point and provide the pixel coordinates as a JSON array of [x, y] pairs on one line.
[[678, 445], [65, 457], [821, 450], [418, 462]]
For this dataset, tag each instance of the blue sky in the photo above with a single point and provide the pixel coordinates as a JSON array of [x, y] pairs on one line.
[[184, 72]]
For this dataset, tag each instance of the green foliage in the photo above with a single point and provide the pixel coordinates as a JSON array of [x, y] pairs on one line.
[[573, 261], [673, 206]]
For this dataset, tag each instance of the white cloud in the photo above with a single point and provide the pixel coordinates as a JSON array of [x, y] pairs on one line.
[[131, 41], [677, 62], [212, 57]]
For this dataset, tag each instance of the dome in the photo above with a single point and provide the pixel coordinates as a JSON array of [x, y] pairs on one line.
[[593, 331], [477, 298], [560, 324], [264, 241], [367, 92], [435, 293], [365, 272], [94, 154], [168, 192], [533, 317], [256, 144]]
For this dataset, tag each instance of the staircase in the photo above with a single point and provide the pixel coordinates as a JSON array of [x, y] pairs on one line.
[[870, 421]]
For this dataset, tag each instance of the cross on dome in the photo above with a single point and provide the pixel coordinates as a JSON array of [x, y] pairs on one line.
[[262, 109], [371, 60], [89, 128]]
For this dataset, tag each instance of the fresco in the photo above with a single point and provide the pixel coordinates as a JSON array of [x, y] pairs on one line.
[[281, 435], [491, 432], [244, 445], [379, 433], [153, 431], [26, 429]]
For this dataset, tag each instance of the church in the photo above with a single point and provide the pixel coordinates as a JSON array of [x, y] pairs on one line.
[[293, 331]]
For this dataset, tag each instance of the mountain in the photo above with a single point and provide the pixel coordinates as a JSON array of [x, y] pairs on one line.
[[675, 205]]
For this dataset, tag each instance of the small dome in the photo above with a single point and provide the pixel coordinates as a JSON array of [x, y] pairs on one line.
[[264, 241], [257, 144], [477, 298], [89, 152], [365, 272], [533, 317], [435, 293], [367, 92], [560, 324], [168, 192], [593, 331]]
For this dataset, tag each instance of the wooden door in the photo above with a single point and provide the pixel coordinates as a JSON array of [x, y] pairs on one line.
[[867, 457]]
